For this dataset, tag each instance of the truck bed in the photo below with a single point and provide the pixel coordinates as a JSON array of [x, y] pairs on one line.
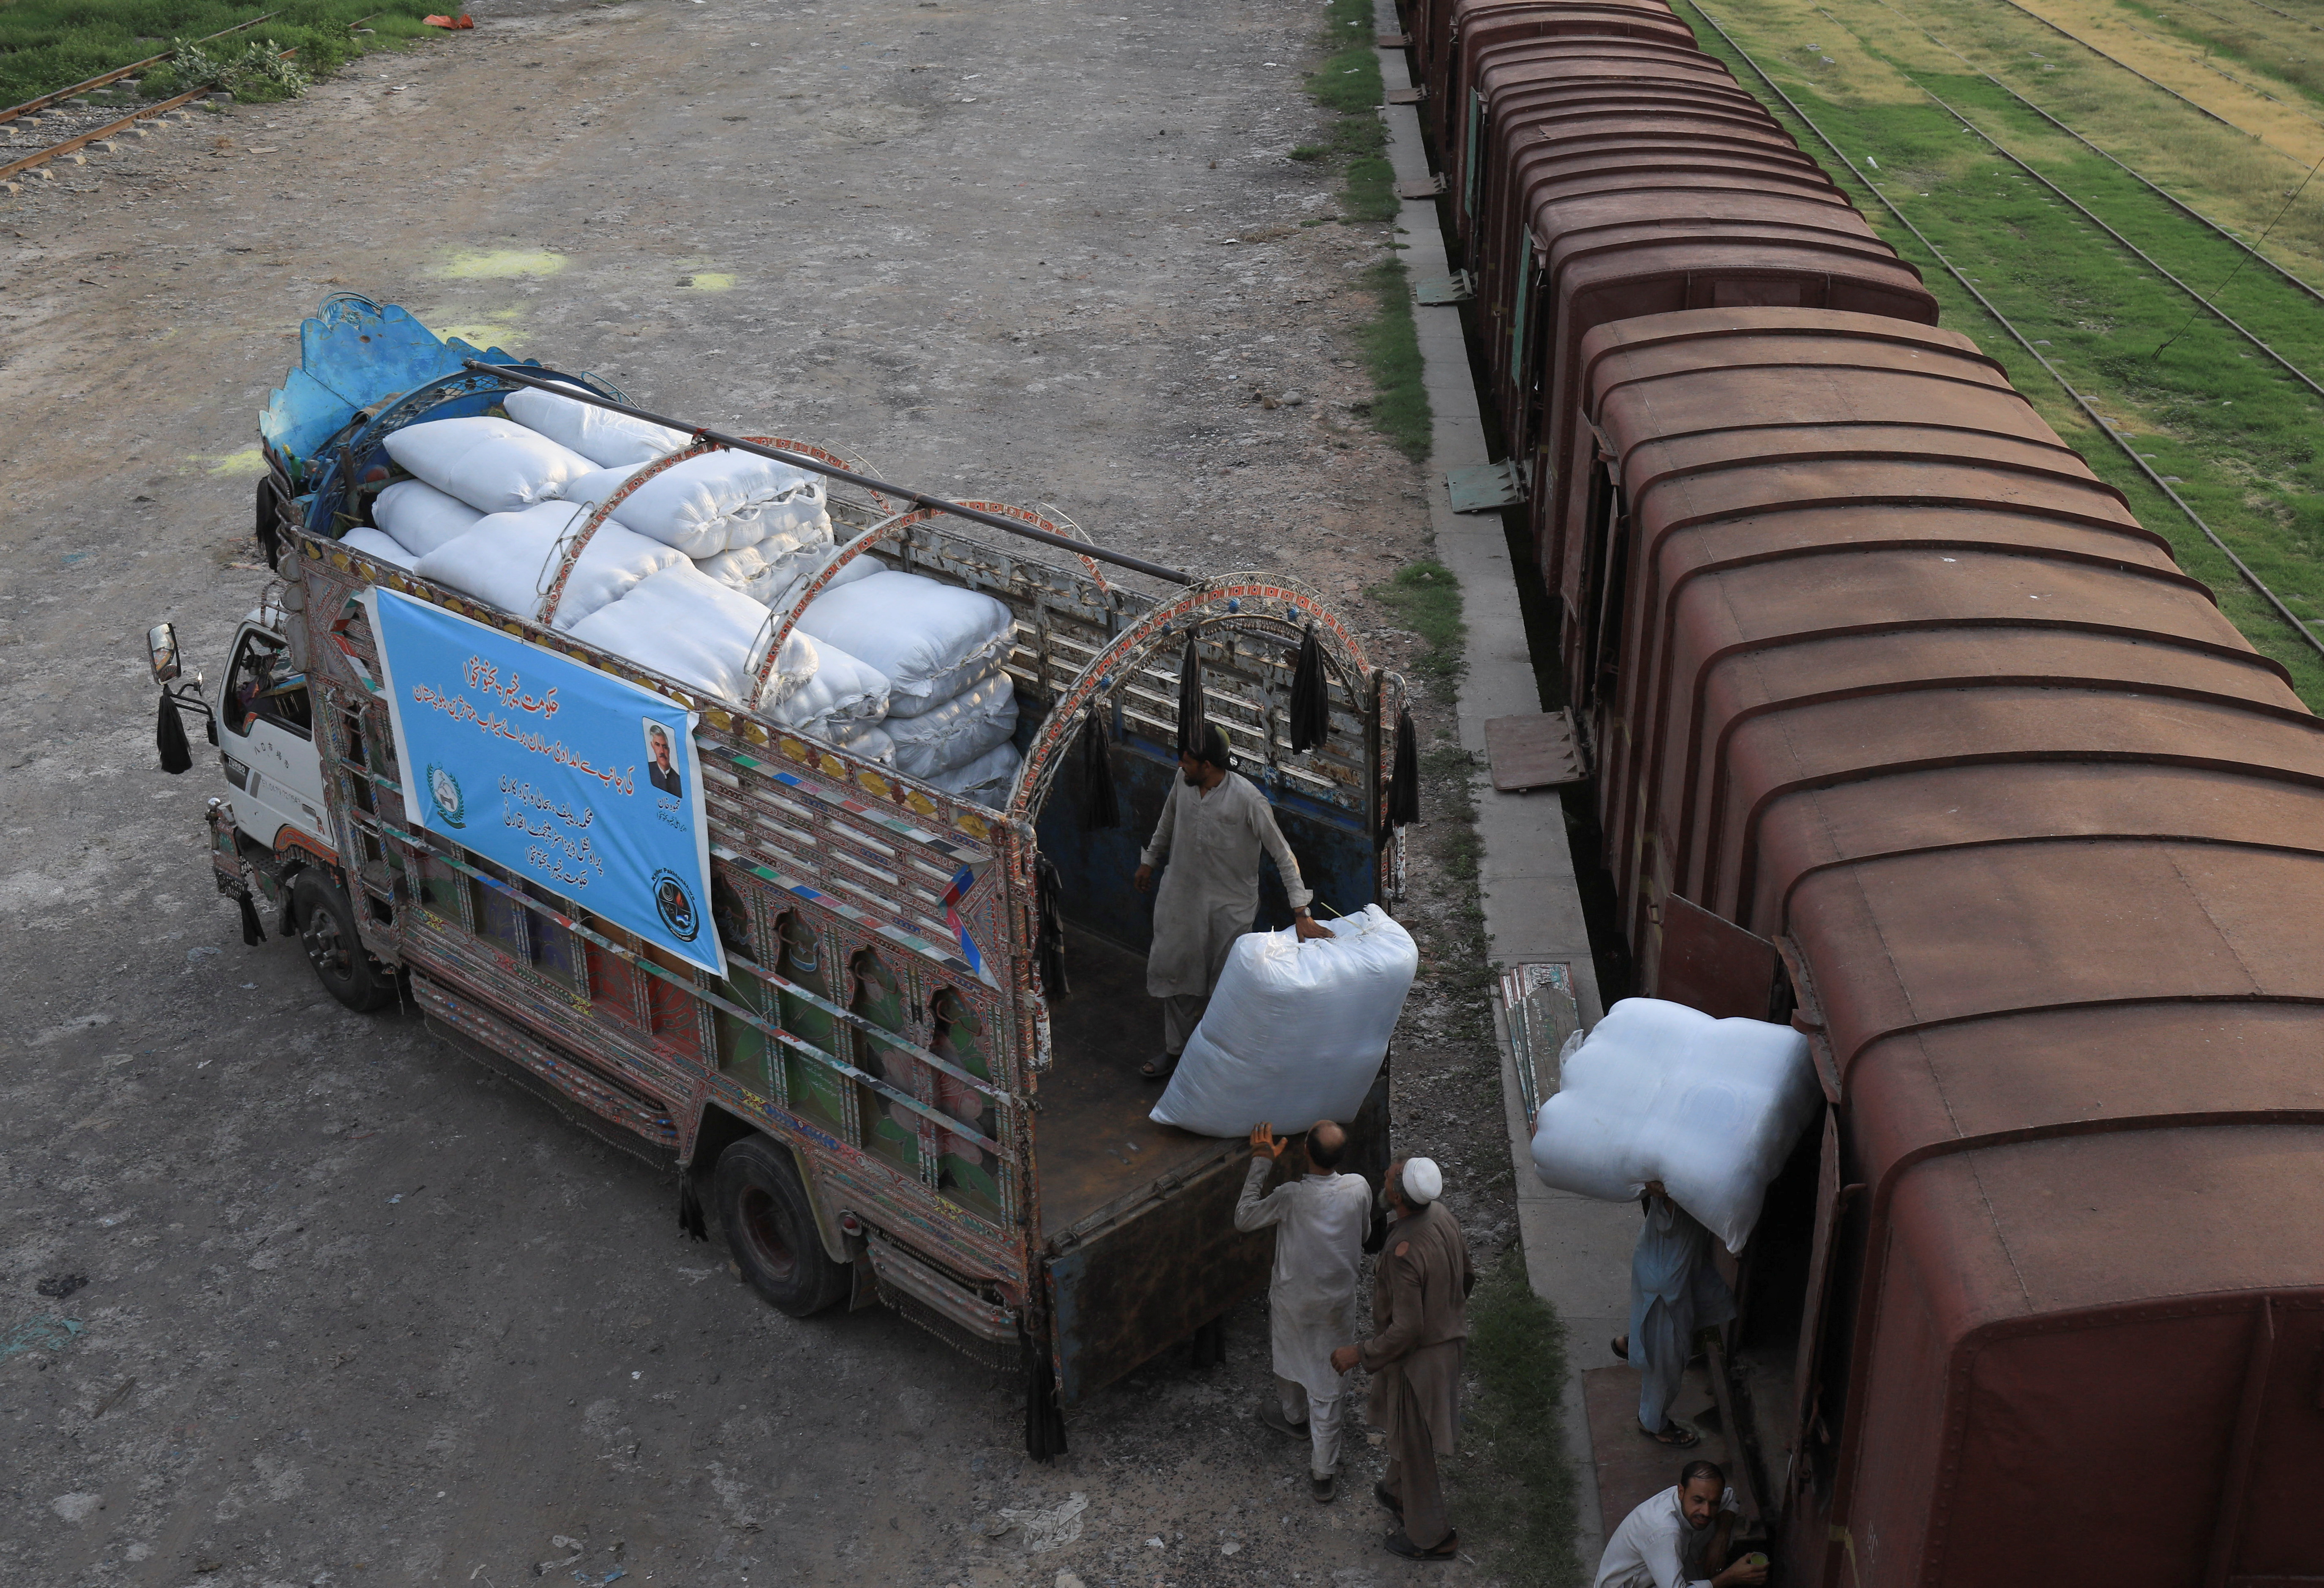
[[1098, 1152]]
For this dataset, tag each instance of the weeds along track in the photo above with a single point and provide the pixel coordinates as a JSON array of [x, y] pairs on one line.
[[2079, 391], [2203, 303]]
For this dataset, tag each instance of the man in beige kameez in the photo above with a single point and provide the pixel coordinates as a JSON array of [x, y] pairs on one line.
[[1420, 1319], [1208, 841]]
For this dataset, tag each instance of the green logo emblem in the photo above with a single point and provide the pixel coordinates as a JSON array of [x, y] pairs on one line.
[[444, 789]]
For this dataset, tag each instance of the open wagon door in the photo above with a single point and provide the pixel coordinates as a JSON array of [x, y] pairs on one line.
[[1710, 964]]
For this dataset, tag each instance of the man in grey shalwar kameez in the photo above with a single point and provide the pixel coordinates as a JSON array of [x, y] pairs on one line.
[[1319, 1221], [1213, 827], [1675, 1291]]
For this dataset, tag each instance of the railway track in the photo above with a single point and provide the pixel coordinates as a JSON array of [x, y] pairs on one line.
[[2074, 392], [99, 138]]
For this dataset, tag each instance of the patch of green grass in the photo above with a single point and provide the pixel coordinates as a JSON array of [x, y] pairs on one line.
[[1426, 597], [1391, 350], [50, 44], [1511, 1484], [1348, 82], [2241, 439], [1310, 151]]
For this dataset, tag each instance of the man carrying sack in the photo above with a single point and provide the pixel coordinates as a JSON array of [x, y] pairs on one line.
[[1213, 826], [1420, 1311]]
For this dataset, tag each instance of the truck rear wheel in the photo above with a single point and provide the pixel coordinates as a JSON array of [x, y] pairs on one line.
[[769, 1226], [326, 931]]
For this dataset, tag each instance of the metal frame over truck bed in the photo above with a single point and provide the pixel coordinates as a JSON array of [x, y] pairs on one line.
[[971, 1142]]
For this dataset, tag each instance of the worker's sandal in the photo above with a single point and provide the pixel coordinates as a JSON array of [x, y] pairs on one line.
[[1398, 1544], [1322, 1488]]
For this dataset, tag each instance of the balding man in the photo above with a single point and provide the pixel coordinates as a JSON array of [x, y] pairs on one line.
[[1319, 1223], [1680, 1538], [1420, 1321]]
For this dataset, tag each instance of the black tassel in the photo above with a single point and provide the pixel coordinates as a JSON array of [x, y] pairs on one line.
[[253, 933], [266, 528], [1044, 1419], [1403, 780], [691, 1221], [1311, 698], [1190, 699], [1101, 805], [1050, 933], [170, 737]]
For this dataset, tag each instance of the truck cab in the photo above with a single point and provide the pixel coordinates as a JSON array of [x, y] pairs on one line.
[[266, 742]]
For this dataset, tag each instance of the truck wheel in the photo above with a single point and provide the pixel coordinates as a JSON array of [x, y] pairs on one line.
[[327, 930], [769, 1226]]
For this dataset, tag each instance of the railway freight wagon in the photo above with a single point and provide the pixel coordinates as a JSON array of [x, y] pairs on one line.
[[875, 1080], [1903, 729]]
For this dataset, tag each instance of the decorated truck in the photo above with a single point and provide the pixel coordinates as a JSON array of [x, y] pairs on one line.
[[886, 1037]]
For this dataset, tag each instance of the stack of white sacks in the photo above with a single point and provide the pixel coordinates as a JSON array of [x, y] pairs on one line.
[[684, 576]]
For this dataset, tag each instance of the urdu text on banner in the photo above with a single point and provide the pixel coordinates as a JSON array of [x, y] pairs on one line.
[[580, 783]]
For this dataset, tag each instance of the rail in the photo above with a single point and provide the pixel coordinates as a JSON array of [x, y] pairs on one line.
[[818, 465], [2291, 620], [105, 78]]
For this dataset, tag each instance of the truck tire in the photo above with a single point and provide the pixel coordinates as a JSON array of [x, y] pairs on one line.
[[326, 924], [769, 1226]]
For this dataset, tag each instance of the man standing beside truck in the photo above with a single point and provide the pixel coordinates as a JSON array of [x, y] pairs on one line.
[[1212, 826], [1319, 1223], [1420, 1311]]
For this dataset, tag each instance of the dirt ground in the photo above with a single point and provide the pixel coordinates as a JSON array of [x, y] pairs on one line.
[[289, 1296]]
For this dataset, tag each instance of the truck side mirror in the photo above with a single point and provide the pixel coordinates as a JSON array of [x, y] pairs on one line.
[[161, 648]]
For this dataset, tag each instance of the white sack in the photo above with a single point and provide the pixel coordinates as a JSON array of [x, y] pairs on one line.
[[862, 738], [492, 465], [1295, 1031], [786, 575], [695, 630], [948, 736], [509, 558], [917, 632], [419, 518], [948, 687], [987, 780], [840, 687], [363, 538], [606, 438], [1660, 1092], [702, 506]]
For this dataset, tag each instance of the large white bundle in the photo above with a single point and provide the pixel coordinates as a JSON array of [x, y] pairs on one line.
[[419, 518], [860, 737], [774, 578], [1295, 1031], [948, 736], [509, 558], [695, 630], [1660, 1092], [987, 780], [927, 637], [492, 465], [363, 538], [605, 438], [841, 688], [706, 504]]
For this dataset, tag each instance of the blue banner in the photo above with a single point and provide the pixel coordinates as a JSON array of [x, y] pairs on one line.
[[578, 782]]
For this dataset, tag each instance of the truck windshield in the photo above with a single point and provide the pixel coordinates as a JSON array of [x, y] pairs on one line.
[[264, 685]]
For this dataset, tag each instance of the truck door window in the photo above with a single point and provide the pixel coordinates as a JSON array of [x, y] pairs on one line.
[[966, 1173], [895, 1132], [264, 684]]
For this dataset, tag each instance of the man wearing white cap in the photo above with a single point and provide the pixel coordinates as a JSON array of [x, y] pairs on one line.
[[1420, 1317]]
